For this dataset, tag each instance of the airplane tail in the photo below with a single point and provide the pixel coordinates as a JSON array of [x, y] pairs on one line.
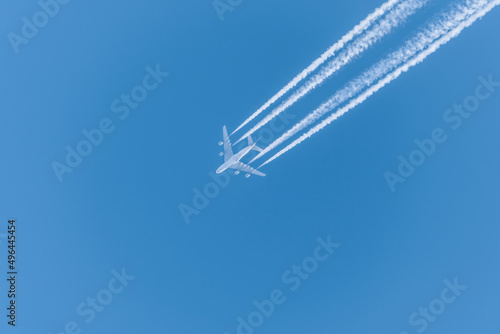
[[251, 143]]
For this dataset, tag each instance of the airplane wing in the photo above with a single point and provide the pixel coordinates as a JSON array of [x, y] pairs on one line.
[[228, 151], [247, 169]]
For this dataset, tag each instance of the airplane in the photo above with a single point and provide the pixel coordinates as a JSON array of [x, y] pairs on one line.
[[233, 160]]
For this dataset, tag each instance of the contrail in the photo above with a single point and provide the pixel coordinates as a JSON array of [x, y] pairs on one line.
[[435, 30], [390, 77], [358, 46], [357, 30]]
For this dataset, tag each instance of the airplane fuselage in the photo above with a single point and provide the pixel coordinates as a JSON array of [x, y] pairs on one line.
[[234, 159]]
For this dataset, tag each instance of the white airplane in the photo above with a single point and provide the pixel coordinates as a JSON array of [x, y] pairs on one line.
[[233, 160]]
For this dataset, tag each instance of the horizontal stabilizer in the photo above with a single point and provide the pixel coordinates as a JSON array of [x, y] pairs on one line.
[[254, 146]]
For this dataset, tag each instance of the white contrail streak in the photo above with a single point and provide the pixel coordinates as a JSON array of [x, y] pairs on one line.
[[357, 30], [389, 78], [422, 40], [383, 27]]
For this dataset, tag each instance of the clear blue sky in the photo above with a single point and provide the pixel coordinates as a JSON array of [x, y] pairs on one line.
[[120, 207]]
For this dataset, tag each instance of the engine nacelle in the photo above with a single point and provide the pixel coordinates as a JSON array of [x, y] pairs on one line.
[[236, 172], [221, 143], [247, 176], [221, 154]]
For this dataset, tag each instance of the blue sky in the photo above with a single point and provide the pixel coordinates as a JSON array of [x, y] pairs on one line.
[[119, 208]]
